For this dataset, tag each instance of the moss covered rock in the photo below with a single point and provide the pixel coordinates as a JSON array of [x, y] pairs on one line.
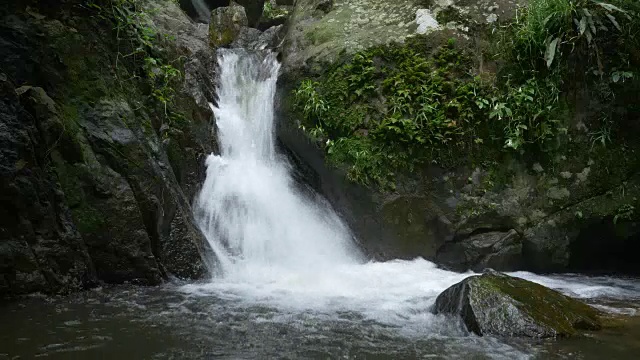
[[226, 24], [497, 304]]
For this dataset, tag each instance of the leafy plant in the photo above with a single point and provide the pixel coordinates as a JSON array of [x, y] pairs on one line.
[[549, 29]]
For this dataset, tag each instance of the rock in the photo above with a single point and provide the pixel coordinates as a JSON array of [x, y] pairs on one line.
[[253, 9], [226, 24], [500, 305], [248, 38], [254, 39], [273, 36], [90, 193], [40, 248], [285, 2], [494, 249]]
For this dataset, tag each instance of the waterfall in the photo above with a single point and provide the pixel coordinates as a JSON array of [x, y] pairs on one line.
[[249, 207], [276, 245], [201, 7]]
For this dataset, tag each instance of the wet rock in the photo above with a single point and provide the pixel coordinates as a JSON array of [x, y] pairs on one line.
[[494, 249], [91, 193], [248, 38], [500, 305], [40, 248], [226, 24]]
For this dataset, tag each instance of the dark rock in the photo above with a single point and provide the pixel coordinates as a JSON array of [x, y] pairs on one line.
[[253, 9], [325, 6], [495, 249], [40, 248], [500, 305], [254, 39], [89, 191]]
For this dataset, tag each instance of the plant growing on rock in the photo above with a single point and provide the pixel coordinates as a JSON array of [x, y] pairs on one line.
[[389, 109], [139, 45]]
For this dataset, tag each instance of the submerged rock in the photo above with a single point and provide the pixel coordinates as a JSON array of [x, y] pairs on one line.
[[226, 24], [497, 304]]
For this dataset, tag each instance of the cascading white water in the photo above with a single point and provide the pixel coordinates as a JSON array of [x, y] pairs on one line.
[[249, 207], [280, 248]]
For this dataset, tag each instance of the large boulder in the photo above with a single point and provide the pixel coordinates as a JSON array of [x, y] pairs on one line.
[[500, 305], [226, 24]]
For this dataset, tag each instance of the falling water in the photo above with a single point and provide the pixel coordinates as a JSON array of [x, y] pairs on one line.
[[249, 207]]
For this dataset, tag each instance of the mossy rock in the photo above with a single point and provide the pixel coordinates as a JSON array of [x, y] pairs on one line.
[[226, 24], [501, 305]]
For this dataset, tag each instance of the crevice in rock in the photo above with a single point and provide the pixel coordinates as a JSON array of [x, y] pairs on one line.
[[605, 247]]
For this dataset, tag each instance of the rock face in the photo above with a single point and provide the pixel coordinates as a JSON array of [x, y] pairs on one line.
[[494, 249], [40, 247], [97, 182], [500, 305], [226, 24]]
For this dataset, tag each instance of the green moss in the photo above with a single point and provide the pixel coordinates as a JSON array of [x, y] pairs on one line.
[[544, 305], [88, 219]]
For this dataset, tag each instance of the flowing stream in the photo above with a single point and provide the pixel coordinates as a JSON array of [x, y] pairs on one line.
[[290, 282]]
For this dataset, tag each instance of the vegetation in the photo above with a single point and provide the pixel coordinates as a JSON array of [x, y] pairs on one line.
[[139, 46], [390, 109], [271, 12]]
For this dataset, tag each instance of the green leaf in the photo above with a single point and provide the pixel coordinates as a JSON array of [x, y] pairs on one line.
[[551, 51], [592, 24], [609, 7], [583, 25], [614, 22], [615, 77]]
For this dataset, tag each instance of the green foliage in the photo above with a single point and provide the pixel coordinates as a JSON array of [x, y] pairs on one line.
[[271, 12], [140, 47], [551, 29], [390, 109]]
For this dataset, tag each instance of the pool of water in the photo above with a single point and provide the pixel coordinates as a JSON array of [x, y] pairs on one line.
[[178, 321]]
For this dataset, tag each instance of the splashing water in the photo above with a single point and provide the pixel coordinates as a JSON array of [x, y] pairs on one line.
[[281, 248]]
